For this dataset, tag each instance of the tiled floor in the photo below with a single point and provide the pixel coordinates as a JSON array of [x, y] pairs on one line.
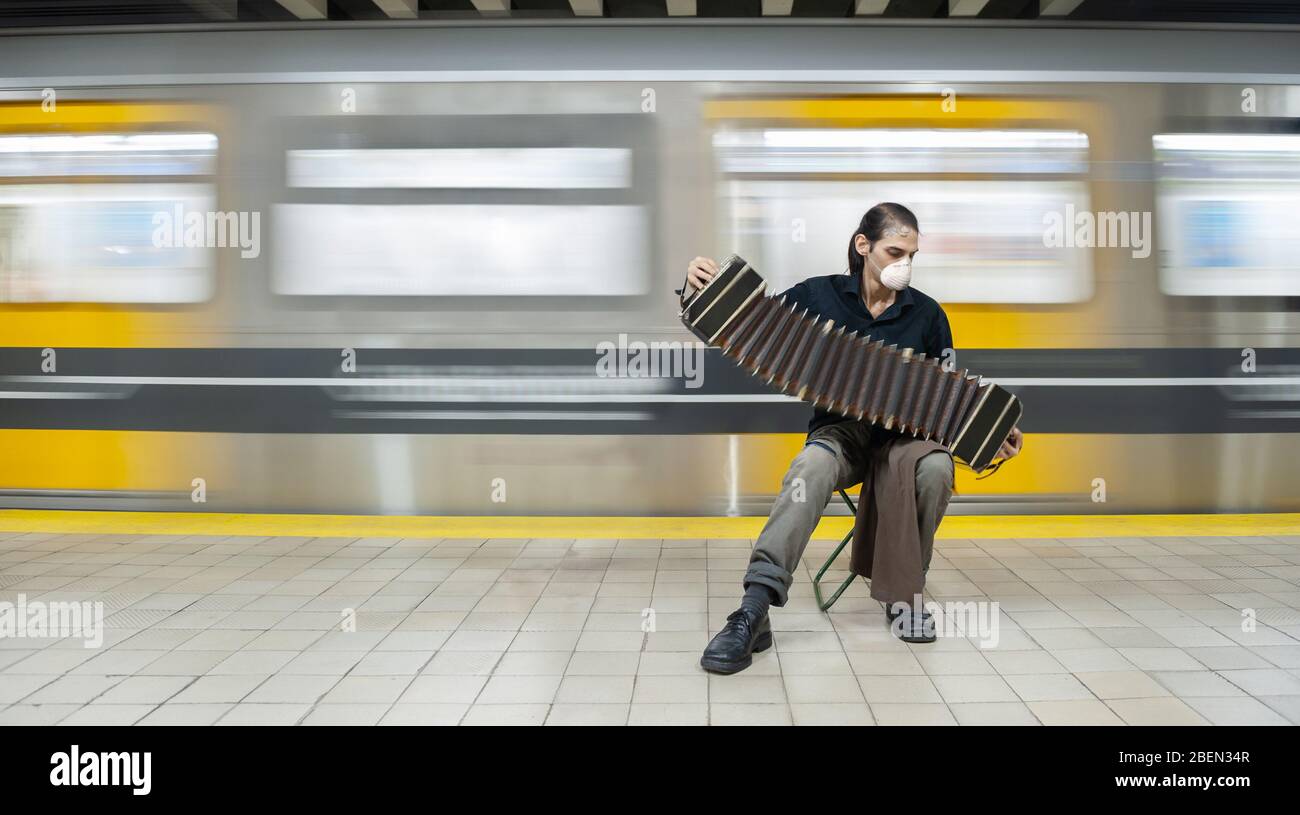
[[230, 630]]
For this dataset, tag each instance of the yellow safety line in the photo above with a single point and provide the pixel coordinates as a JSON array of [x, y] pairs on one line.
[[414, 526]]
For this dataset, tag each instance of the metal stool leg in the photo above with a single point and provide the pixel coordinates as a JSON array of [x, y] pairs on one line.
[[824, 604]]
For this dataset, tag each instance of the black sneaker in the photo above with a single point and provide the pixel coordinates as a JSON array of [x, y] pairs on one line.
[[733, 648], [909, 626]]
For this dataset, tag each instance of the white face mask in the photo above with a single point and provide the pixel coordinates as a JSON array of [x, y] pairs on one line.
[[897, 275]]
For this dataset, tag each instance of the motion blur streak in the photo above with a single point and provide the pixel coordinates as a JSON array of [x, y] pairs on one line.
[[443, 262]]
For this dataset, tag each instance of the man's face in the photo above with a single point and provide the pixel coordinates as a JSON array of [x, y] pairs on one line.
[[893, 246]]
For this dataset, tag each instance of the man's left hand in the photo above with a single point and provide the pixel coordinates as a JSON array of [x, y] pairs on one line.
[[1015, 440]]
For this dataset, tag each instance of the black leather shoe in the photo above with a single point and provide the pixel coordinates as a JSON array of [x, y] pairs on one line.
[[733, 648], [913, 627]]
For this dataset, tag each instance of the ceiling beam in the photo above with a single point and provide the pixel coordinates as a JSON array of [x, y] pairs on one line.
[[1058, 8], [870, 8], [966, 8], [307, 9], [400, 9]]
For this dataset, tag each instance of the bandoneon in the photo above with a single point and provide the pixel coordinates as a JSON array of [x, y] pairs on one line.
[[813, 359]]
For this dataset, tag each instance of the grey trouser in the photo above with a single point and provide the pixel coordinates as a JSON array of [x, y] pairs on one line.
[[834, 458]]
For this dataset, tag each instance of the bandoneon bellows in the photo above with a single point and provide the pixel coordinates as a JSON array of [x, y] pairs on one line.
[[813, 359]]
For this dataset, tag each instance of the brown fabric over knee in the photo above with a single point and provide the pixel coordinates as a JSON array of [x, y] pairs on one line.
[[886, 537]]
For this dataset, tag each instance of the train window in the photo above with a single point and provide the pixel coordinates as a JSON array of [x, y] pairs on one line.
[[790, 199], [1226, 205], [895, 151], [459, 249], [484, 168], [499, 206], [67, 235]]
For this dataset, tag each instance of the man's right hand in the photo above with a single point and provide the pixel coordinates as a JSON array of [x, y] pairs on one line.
[[700, 272]]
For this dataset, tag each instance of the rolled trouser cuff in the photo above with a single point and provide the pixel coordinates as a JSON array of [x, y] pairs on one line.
[[772, 576]]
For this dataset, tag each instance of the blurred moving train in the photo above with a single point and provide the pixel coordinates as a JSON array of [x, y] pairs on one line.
[[400, 287]]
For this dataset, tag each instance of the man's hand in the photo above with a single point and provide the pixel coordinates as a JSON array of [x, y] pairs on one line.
[[700, 272], [1014, 441]]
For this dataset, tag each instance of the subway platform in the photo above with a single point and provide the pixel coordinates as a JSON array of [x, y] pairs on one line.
[[308, 620]]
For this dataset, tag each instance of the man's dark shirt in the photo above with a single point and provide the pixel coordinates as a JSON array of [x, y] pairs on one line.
[[914, 320]]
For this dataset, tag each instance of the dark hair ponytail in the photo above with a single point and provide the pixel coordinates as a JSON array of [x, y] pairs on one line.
[[874, 223]]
